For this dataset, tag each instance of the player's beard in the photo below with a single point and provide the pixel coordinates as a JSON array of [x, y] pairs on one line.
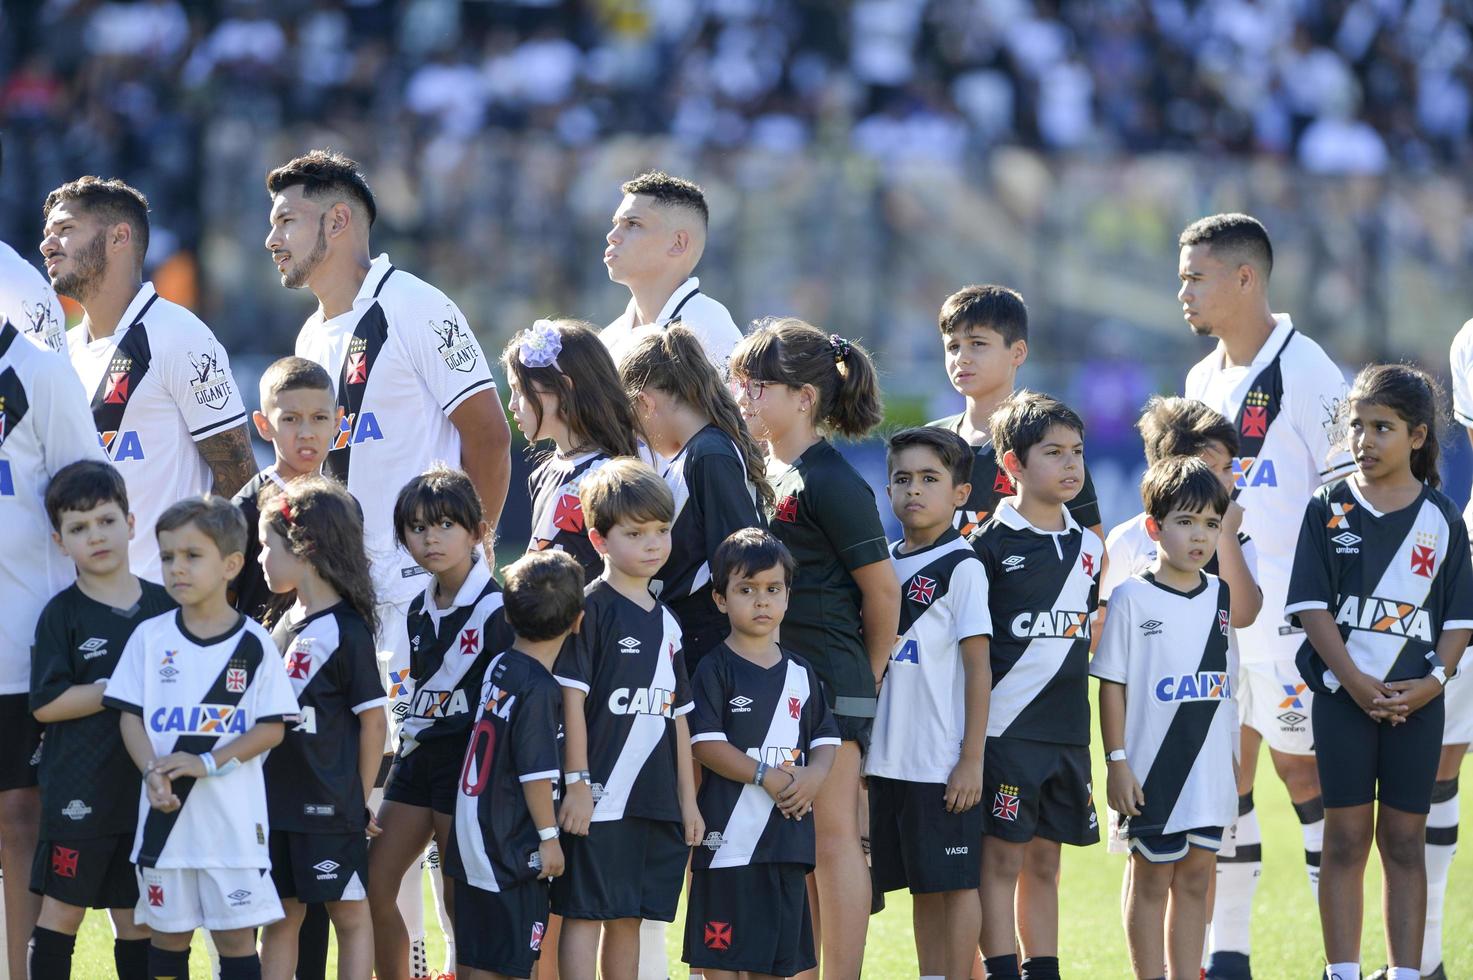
[[89, 266], [1201, 329], [297, 277]]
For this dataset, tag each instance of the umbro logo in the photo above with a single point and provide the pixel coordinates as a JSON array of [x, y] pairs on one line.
[[1012, 563], [629, 645], [1151, 627], [326, 870], [740, 703], [239, 896], [1346, 543], [93, 648]]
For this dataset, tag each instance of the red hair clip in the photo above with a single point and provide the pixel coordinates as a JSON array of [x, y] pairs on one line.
[[286, 510]]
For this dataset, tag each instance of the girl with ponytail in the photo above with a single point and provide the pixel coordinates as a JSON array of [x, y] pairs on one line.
[[713, 466], [794, 383]]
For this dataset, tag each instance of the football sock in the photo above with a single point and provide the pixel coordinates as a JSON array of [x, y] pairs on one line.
[[130, 957], [240, 967], [652, 961], [1442, 844], [1342, 971], [164, 964], [1001, 967], [411, 903], [1311, 815], [312, 940], [1237, 880], [419, 960], [1403, 973], [51, 954], [1041, 968]]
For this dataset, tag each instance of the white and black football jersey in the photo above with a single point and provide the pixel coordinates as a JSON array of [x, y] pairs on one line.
[[28, 301], [1393, 581], [160, 383], [448, 652], [922, 715], [775, 715], [517, 738], [402, 359], [1131, 551], [1175, 654], [312, 781], [627, 662], [196, 694], [44, 426], [1042, 589], [557, 511]]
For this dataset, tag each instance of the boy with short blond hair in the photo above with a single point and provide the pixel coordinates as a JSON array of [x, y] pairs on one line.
[[203, 696]]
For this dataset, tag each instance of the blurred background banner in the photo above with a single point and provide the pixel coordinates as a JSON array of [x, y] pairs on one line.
[[862, 159]]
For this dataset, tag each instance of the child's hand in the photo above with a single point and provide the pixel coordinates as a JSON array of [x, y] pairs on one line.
[[1123, 791], [371, 829], [1232, 521], [775, 787], [551, 853], [796, 799], [1368, 692], [964, 786], [695, 827], [1407, 697], [160, 792], [577, 809], [176, 765]]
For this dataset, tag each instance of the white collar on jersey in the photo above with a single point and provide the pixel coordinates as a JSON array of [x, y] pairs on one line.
[[681, 294], [475, 581], [1271, 346], [377, 270], [1008, 514], [145, 293]]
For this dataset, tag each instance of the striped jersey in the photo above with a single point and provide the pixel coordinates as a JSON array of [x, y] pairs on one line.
[[159, 384], [1042, 590], [1392, 581], [627, 662], [517, 739], [1175, 654], [402, 360], [775, 715], [43, 426], [1131, 552], [194, 695], [28, 301], [557, 511], [448, 653], [922, 714]]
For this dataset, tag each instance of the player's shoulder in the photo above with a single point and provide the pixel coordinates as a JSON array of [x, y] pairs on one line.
[[1306, 364], [403, 293], [352, 629], [1200, 373], [253, 630], [173, 328], [1133, 589], [65, 608], [707, 312], [948, 423], [1462, 347], [1126, 532], [39, 361], [1450, 511]]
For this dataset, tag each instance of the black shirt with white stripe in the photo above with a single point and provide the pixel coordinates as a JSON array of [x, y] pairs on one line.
[[557, 512]]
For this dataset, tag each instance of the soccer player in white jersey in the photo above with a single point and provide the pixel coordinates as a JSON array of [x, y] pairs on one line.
[[43, 427], [1284, 394], [28, 301], [413, 383], [658, 235], [165, 406]]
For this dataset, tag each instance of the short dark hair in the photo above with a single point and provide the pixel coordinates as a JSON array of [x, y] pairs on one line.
[[1020, 423], [951, 449], [217, 518], [111, 200], [1173, 426], [324, 173], [438, 493], [294, 374], [747, 552], [670, 192], [624, 489], [992, 307], [1240, 235], [1182, 483], [84, 485], [542, 594]]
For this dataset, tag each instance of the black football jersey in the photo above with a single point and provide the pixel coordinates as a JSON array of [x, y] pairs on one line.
[[557, 512], [1043, 587], [249, 593], [89, 784], [1393, 581], [517, 738], [775, 715], [990, 483], [312, 783], [627, 662]]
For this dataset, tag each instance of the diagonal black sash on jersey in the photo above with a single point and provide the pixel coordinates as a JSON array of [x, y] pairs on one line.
[[675, 313], [939, 572], [130, 362], [1186, 734], [14, 402], [1262, 404], [363, 350], [157, 826]]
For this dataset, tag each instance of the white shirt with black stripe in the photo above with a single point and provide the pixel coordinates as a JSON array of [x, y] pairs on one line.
[[28, 301], [692, 309], [1176, 655], [403, 358], [159, 384]]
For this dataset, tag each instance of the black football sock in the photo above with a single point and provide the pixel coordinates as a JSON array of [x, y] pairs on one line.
[[1001, 967], [51, 954], [130, 956], [165, 964], [1041, 968], [240, 967]]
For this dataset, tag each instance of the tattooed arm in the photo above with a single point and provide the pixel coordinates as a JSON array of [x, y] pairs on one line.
[[230, 459]]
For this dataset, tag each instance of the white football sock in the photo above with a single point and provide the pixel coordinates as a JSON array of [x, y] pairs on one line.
[[1237, 880], [653, 964], [1311, 815], [1342, 971], [1442, 845]]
